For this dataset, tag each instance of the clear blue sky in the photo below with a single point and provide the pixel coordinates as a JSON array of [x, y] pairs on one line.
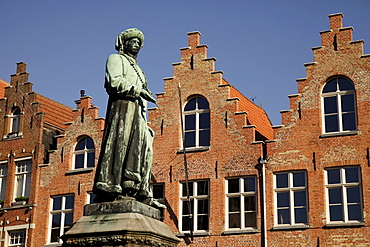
[[260, 46]]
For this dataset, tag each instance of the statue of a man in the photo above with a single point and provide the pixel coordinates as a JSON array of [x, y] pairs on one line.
[[125, 161]]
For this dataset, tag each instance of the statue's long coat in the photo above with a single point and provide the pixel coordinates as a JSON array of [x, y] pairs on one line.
[[126, 152]]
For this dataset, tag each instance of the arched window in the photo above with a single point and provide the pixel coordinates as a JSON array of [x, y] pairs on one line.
[[84, 153], [15, 120], [197, 123], [339, 106]]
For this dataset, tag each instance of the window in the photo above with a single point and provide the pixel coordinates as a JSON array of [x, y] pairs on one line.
[[195, 211], [90, 197], [15, 120], [343, 190], [84, 153], [197, 123], [158, 194], [23, 178], [17, 238], [3, 179], [339, 106], [241, 202], [290, 198], [61, 216]]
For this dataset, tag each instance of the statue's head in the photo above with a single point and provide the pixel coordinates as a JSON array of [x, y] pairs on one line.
[[127, 35]]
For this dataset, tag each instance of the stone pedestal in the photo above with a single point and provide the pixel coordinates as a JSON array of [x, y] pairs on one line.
[[120, 223]]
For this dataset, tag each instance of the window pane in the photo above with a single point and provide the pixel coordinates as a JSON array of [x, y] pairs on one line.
[[233, 185], [203, 206], [331, 123], [331, 86], [330, 105], [89, 143], [202, 103], [250, 219], [249, 184], [299, 179], [354, 212], [335, 196], [158, 191], [234, 220], [349, 121], [202, 188], [55, 235], [300, 215], [204, 138], [190, 122], [345, 84], [234, 204], [79, 161], [283, 199], [190, 105], [282, 180], [185, 207], [283, 216], [68, 221], [55, 222], [204, 120], [353, 195], [336, 213], [352, 175], [249, 203], [186, 223], [81, 144], [190, 139], [333, 176], [57, 203], [69, 202], [300, 198], [348, 102], [90, 159], [184, 192], [203, 222]]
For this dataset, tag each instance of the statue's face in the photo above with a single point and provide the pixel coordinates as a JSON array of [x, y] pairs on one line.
[[133, 46]]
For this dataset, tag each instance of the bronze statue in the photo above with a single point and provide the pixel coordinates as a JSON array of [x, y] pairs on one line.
[[125, 161]]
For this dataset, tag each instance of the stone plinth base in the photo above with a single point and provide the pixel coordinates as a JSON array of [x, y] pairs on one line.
[[118, 224]]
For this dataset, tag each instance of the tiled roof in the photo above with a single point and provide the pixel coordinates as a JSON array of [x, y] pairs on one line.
[[3, 85]]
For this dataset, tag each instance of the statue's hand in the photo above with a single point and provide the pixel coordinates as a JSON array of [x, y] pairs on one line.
[[147, 96], [134, 92]]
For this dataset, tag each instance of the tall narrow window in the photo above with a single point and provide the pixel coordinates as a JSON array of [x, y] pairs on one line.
[[15, 120], [194, 212], [339, 106], [343, 189], [197, 123], [291, 198], [61, 216], [84, 153], [3, 179], [23, 178], [158, 194], [241, 202]]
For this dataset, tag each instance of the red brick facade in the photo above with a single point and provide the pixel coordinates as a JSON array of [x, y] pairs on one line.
[[316, 177]]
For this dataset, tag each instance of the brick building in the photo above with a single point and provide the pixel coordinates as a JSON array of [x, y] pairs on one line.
[[303, 183]]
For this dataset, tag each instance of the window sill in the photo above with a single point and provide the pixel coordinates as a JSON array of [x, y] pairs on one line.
[[342, 224], [195, 234], [290, 227], [52, 245], [334, 134], [80, 170], [12, 136], [240, 231], [194, 149], [5, 209]]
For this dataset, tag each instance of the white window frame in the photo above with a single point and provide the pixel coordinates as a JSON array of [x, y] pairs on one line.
[[15, 120], [63, 211], [85, 153], [338, 94], [241, 195], [343, 185], [194, 200], [197, 113], [3, 178], [23, 172], [17, 243], [89, 195], [290, 189]]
